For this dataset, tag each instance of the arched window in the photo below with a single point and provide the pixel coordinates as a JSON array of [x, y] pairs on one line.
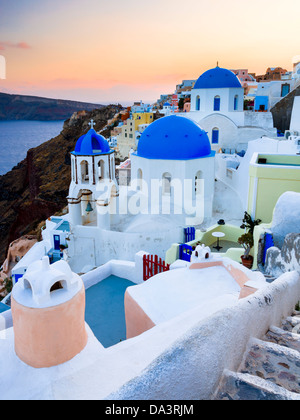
[[84, 166], [198, 103], [217, 103], [139, 179], [215, 136], [236, 102], [198, 182], [101, 170], [166, 183]]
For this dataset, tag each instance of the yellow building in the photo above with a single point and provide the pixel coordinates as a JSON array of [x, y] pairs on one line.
[[271, 175], [127, 139], [142, 118]]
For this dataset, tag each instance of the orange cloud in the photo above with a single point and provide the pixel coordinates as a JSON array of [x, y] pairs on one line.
[[22, 45]]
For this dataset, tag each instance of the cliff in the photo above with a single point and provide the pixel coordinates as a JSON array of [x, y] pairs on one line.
[[19, 107], [38, 186], [282, 111]]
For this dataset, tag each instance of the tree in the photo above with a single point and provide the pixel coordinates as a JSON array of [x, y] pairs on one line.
[[249, 224]]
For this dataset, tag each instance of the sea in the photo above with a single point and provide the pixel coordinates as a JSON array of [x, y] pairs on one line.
[[17, 137]]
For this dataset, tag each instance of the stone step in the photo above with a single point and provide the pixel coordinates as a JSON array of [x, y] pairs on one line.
[[292, 324], [283, 338], [275, 363], [242, 386]]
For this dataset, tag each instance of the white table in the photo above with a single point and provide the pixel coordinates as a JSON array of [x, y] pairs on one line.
[[218, 235]]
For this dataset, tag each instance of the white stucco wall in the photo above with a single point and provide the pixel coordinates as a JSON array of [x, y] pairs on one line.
[[227, 100], [92, 247], [295, 120], [236, 129], [180, 170]]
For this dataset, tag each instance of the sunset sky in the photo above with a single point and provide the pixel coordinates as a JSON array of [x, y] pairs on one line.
[[128, 50]]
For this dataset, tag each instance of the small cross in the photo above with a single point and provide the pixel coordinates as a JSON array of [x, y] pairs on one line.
[[92, 123]]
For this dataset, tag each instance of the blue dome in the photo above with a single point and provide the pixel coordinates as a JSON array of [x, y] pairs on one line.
[[91, 143], [174, 138], [217, 78]]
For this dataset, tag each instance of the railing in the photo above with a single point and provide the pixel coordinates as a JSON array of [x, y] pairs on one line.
[[153, 265], [190, 233]]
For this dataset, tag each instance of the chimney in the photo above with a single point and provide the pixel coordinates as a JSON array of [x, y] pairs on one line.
[[48, 307]]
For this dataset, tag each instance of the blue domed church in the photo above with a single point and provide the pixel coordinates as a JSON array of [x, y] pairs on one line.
[[217, 105], [175, 153]]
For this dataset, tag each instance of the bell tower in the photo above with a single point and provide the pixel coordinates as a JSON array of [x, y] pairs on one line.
[[93, 183]]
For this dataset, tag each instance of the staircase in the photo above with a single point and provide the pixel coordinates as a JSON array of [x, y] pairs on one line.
[[270, 369]]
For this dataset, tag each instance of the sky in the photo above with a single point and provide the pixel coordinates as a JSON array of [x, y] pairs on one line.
[[120, 51]]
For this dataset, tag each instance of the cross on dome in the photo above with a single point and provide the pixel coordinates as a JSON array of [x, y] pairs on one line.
[[92, 123]]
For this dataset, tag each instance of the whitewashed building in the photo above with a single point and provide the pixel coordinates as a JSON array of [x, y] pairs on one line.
[[217, 105]]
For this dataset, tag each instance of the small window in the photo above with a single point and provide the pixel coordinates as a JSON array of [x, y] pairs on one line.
[[215, 136], [217, 103], [236, 102], [198, 103]]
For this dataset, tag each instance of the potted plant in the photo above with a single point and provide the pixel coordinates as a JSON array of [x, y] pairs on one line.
[[247, 240]]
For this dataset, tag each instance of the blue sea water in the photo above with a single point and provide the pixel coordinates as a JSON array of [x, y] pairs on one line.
[[17, 137]]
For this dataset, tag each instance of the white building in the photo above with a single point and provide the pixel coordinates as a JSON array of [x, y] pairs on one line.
[[217, 105], [176, 152], [268, 94]]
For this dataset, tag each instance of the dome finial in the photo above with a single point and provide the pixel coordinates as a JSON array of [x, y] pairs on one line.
[[92, 123], [217, 64]]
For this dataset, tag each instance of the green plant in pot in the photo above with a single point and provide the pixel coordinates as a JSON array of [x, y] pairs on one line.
[[247, 240]]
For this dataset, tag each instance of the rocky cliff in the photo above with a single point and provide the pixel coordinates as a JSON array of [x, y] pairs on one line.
[[20, 107], [282, 111], [38, 186]]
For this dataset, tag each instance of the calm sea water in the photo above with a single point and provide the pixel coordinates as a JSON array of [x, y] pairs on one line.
[[17, 137]]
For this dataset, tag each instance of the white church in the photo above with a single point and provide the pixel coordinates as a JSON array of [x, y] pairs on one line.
[[173, 176], [217, 105]]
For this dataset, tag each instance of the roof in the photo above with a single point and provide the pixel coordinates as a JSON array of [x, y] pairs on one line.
[[217, 78], [174, 138], [92, 143]]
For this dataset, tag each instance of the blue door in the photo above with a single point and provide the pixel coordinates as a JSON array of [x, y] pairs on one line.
[[185, 252], [285, 90], [56, 242]]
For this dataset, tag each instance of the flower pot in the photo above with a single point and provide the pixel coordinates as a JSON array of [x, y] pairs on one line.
[[247, 261]]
